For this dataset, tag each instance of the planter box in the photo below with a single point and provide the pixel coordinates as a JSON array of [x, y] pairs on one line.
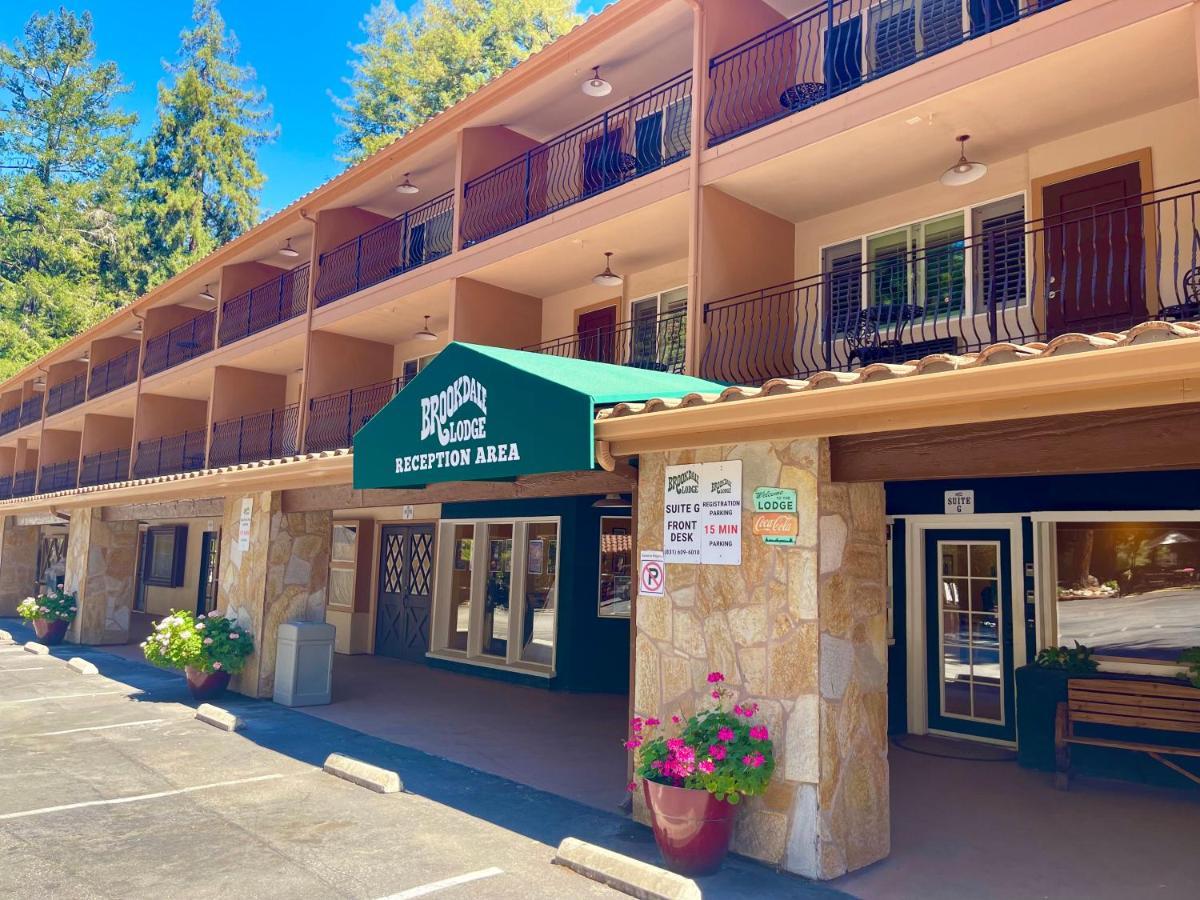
[[1039, 691]]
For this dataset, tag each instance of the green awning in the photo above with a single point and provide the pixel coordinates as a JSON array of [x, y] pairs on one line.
[[485, 413]]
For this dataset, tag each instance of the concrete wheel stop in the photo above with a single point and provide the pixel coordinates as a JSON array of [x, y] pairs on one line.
[[218, 718], [623, 873], [379, 780]]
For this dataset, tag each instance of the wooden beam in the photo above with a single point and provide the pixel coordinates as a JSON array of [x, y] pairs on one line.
[[211, 508], [555, 484], [1125, 440]]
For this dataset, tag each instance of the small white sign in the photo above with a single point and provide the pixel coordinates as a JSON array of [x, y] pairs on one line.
[[652, 578], [721, 513], [244, 524], [681, 515], [960, 503], [406, 512]]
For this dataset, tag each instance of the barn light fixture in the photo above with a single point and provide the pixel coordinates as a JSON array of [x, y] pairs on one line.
[[607, 278], [288, 250], [406, 186], [964, 171], [596, 86], [425, 334]]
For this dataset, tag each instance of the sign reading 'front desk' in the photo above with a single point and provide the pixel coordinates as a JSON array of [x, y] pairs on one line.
[[702, 514], [470, 415]]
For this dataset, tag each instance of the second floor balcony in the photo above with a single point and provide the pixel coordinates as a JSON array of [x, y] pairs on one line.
[[259, 308], [654, 342], [24, 483], [333, 418], [265, 435], [60, 476], [31, 410], [399, 245], [183, 342], [104, 467], [63, 396], [183, 452], [114, 373], [10, 419], [642, 135]]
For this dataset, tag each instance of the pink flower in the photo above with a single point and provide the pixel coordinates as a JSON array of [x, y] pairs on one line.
[[633, 743], [717, 751], [716, 695], [216, 665], [631, 787], [635, 723], [207, 641], [657, 765], [753, 760], [750, 711], [725, 734], [714, 677], [759, 733], [707, 767], [674, 743], [737, 710], [651, 722], [676, 719]]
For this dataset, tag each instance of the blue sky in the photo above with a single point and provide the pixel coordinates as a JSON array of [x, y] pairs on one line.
[[299, 48]]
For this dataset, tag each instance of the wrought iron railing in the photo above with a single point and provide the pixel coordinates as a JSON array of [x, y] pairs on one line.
[[648, 342], [399, 245], [833, 46], [1100, 269], [642, 135], [10, 419], [63, 396], [6, 487], [31, 409], [113, 373], [171, 454], [333, 418], [60, 476], [275, 301], [24, 483], [104, 467], [183, 342], [265, 435]]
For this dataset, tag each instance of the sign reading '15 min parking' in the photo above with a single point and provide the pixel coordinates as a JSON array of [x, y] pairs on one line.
[[702, 514]]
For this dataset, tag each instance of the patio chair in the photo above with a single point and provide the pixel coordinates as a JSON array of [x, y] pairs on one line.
[[802, 95], [1189, 309]]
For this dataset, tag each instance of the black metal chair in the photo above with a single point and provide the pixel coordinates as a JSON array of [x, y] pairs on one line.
[[802, 95], [1189, 309], [863, 342]]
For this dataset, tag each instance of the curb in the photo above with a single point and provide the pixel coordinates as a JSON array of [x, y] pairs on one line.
[[623, 873], [218, 718], [382, 781], [82, 666], [39, 649]]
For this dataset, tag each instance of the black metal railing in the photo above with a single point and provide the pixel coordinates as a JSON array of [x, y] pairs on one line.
[[278, 300], [63, 396], [833, 46], [648, 342], [183, 342], [265, 435], [171, 454], [642, 135], [31, 409], [104, 467], [406, 242], [1100, 269], [10, 420], [113, 373], [60, 476], [24, 483], [6, 487], [333, 418]]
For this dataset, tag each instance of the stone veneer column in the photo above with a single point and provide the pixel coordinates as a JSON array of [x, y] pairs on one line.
[[100, 568], [799, 630], [282, 577], [18, 563]]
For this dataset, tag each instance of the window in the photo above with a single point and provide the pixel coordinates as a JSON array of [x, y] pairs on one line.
[[413, 366], [659, 331], [166, 554], [616, 566], [1128, 590], [343, 562], [458, 601], [541, 601]]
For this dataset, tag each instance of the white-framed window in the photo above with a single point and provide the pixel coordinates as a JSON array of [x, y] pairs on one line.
[[659, 330], [412, 366], [496, 598]]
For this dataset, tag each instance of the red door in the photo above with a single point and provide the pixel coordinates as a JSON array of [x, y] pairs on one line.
[[1095, 252], [597, 333]]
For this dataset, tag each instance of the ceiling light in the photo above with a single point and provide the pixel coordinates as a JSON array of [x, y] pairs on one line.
[[425, 334], [406, 186], [964, 171], [611, 501], [288, 250], [206, 294], [607, 278], [596, 86]]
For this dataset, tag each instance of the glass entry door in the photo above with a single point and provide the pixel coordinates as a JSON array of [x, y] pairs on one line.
[[969, 643]]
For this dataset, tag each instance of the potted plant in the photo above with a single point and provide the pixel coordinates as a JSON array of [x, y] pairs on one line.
[[50, 614], [694, 779], [209, 649], [1191, 659], [1041, 686]]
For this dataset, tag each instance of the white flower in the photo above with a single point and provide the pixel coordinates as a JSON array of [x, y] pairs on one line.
[[199, 626], [143, 645], [233, 635], [207, 641], [185, 635], [216, 665]]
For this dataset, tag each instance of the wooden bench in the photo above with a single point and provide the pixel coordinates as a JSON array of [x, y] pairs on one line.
[[1128, 704]]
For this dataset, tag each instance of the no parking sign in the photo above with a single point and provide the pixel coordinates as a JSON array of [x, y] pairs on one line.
[[652, 574]]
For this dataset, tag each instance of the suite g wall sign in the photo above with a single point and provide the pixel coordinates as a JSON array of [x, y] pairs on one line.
[[702, 514]]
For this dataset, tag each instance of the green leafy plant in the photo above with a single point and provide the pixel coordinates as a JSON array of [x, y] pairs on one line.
[[1075, 660], [51, 607], [718, 749], [1191, 659], [209, 643]]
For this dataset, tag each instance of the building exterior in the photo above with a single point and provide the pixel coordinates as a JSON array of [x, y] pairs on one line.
[[980, 386]]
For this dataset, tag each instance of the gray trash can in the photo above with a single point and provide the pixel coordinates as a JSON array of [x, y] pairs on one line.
[[304, 663]]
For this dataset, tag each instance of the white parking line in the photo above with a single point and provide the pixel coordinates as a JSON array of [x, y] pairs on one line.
[[93, 728], [139, 797], [70, 697], [26, 669], [435, 886]]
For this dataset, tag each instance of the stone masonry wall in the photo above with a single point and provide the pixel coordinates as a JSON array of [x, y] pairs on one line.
[[18, 563], [101, 565], [797, 630]]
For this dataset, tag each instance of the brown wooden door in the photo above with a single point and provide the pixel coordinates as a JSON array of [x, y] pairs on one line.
[[597, 334], [405, 591], [1095, 255]]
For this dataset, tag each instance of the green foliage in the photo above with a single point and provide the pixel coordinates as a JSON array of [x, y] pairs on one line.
[[1191, 659], [50, 607], [1075, 660], [210, 643], [410, 68]]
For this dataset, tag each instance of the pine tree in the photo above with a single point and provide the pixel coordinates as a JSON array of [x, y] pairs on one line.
[[199, 168], [65, 228], [411, 68]]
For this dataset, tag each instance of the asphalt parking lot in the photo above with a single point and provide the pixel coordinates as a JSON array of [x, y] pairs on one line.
[[109, 787]]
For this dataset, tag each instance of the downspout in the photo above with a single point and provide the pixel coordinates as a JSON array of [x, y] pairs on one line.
[[313, 261], [699, 99]]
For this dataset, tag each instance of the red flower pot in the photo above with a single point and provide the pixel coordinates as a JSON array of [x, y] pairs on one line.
[[691, 827], [50, 631], [206, 685]]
